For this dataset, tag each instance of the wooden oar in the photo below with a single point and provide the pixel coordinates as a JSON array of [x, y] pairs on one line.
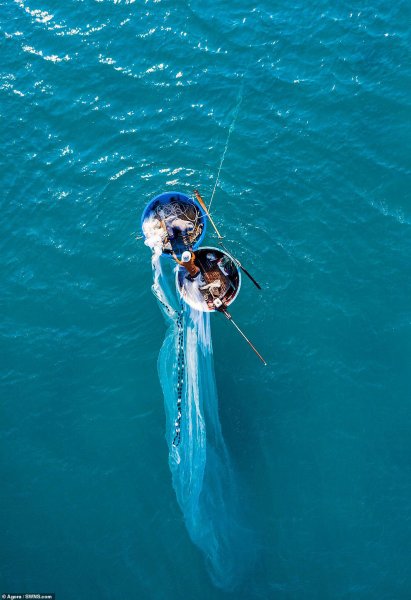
[[221, 307], [229, 317], [202, 204], [220, 237]]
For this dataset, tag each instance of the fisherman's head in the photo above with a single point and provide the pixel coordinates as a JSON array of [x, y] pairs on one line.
[[185, 257]]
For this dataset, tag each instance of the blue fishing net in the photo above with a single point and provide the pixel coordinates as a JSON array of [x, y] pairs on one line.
[[202, 476]]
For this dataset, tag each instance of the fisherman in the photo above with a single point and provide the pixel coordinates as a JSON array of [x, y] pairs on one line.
[[188, 262], [176, 226]]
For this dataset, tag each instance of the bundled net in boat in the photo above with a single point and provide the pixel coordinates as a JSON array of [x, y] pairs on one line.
[[186, 211]]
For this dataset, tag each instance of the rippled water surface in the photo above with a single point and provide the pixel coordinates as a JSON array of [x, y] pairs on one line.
[[103, 105]]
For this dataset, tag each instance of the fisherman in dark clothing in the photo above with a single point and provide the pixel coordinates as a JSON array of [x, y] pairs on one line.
[[176, 227]]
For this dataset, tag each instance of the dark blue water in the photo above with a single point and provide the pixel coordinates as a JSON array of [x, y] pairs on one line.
[[105, 104]]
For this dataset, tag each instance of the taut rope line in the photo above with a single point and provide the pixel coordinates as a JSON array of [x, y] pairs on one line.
[[230, 130]]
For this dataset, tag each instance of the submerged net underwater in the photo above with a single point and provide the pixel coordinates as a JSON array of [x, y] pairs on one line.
[[202, 475]]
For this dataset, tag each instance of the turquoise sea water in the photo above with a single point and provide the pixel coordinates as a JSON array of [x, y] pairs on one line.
[[105, 104]]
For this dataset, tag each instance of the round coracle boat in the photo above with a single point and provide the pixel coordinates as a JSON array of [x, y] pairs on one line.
[[217, 284], [173, 222]]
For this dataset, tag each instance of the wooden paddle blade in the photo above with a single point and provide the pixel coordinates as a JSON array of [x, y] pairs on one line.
[[202, 204]]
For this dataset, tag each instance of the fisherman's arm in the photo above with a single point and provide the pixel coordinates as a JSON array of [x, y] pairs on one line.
[[176, 259]]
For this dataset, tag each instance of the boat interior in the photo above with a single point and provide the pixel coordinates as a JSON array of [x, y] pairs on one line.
[[181, 210], [220, 277]]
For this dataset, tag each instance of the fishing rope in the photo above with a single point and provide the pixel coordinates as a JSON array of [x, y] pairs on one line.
[[230, 130], [220, 243], [180, 377]]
